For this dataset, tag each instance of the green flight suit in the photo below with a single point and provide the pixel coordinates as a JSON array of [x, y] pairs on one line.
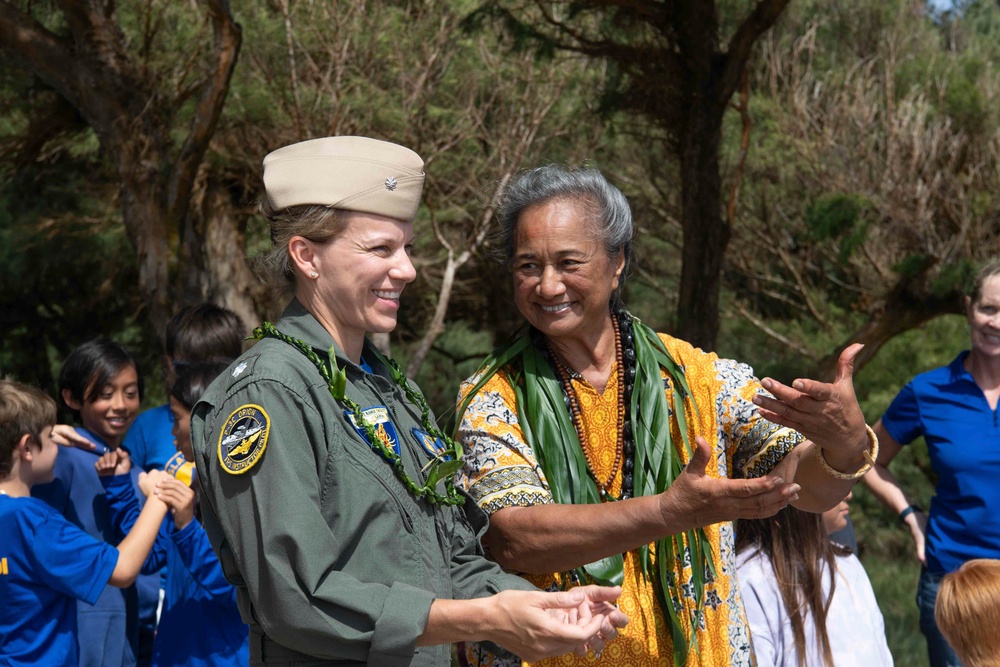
[[332, 557]]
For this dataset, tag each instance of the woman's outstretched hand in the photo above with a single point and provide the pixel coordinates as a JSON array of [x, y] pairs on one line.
[[703, 500], [531, 624], [826, 413], [536, 625]]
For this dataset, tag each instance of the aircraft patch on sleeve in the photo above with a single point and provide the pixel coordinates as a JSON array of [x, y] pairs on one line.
[[243, 439]]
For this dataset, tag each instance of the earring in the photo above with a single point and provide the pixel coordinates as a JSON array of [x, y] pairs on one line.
[[314, 275]]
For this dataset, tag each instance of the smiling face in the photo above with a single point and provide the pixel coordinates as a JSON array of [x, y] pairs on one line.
[[110, 414], [362, 273], [563, 277], [181, 429], [984, 319]]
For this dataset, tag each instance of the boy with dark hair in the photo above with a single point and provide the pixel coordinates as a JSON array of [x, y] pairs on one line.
[[46, 562], [199, 334], [196, 334]]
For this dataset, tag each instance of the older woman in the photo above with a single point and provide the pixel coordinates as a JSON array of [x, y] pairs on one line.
[[326, 482], [605, 452]]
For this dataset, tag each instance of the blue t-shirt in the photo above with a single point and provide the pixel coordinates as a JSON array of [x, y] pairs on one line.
[[46, 564], [108, 628], [149, 440], [200, 624], [950, 411]]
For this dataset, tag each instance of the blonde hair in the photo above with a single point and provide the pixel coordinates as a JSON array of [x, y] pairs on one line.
[[968, 611], [985, 273], [315, 222]]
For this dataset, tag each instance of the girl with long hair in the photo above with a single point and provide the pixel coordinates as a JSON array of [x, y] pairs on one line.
[[808, 600]]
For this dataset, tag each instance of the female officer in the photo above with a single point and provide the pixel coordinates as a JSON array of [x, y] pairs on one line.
[[326, 482]]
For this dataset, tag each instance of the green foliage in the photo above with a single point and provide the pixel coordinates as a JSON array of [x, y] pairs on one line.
[[842, 217], [954, 276], [911, 265], [67, 274], [964, 101], [895, 583]]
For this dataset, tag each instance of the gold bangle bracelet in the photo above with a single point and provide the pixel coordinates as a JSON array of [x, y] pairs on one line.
[[870, 455]]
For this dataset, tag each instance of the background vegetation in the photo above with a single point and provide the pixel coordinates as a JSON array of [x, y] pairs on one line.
[[852, 156]]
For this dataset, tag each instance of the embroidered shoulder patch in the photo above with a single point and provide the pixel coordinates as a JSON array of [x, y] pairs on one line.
[[243, 439]]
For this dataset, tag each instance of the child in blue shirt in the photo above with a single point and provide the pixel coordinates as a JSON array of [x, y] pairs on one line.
[[199, 334], [101, 383], [47, 563], [200, 624]]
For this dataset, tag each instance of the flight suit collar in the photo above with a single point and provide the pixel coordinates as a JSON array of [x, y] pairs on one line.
[[298, 322]]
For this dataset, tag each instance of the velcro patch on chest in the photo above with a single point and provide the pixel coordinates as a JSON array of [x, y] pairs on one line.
[[243, 438], [433, 446], [377, 417]]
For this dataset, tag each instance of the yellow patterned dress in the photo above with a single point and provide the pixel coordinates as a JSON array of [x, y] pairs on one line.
[[501, 471]]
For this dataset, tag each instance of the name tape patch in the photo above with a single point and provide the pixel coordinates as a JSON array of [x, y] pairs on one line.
[[385, 430]]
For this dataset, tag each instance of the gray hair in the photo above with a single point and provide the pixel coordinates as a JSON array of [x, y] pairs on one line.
[[611, 217], [315, 222]]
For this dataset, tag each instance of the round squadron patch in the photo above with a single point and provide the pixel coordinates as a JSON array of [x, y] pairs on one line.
[[243, 439]]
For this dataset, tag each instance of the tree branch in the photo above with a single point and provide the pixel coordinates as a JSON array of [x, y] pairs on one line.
[[42, 53], [741, 44], [227, 36]]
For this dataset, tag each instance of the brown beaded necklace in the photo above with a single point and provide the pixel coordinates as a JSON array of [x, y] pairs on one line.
[[574, 408]]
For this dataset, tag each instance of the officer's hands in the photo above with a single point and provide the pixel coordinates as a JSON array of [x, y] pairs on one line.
[[536, 625]]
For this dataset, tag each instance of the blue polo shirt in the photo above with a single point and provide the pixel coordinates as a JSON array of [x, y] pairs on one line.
[[950, 411]]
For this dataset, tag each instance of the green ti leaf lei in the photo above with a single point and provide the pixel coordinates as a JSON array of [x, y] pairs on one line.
[[549, 430], [437, 469]]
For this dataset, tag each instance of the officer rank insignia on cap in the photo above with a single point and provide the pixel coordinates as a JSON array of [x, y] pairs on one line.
[[243, 439], [433, 446], [378, 417]]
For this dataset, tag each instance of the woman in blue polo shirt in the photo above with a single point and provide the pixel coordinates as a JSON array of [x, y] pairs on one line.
[[955, 409]]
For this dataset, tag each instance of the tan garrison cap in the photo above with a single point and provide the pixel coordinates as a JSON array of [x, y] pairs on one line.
[[349, 173]]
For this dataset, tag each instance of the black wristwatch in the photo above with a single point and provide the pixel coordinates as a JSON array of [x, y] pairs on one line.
[[907, 511]]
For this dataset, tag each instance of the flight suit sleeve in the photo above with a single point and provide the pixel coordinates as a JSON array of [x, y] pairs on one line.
[[285, 550], [472, 574]]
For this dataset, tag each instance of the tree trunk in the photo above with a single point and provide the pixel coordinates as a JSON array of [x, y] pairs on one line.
[[133, 116], [436, 326], [146, 222], [215, 250], [706, 233]]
